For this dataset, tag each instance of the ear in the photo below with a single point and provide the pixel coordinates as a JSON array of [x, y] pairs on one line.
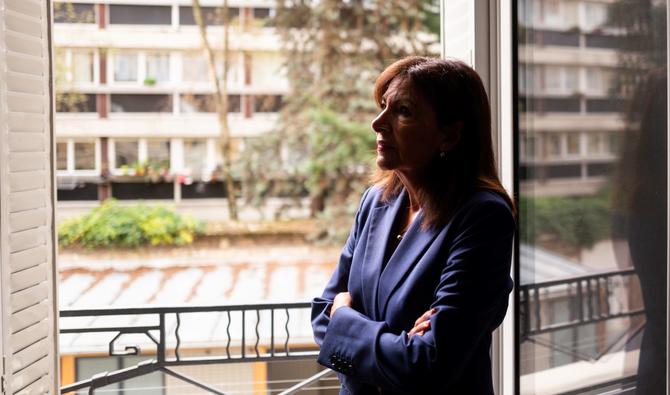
[[452, 135]]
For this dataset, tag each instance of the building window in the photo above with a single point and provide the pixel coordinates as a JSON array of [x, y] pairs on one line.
[[207, 103], [553, 145], [126, 67], [158, 153], [126, 153], [141, 103], [595, 15], [267, 103], [82, 66], [211, 15], [148, 384], [157, 68], [77, 155], [61, 155], [84, 155], [263, 16], [74, 12], [76, 102], [195, 157], [194, 68], [139, 15], [572, 144]]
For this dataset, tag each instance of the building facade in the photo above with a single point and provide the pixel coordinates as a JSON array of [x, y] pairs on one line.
[[135, 111], [570, 111]]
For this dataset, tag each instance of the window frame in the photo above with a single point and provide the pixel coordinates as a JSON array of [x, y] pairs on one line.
[[70, 157]]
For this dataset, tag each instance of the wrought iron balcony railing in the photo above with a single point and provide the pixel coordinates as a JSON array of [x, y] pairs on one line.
[[262, 332], [269, 323]]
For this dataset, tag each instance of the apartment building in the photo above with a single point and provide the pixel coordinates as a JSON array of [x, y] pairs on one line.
[[571, 116], [135, 116]]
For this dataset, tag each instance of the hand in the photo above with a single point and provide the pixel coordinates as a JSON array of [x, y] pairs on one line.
[[422, 324], [342, 299]]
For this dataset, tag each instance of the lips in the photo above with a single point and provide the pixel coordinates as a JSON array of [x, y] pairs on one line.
[[383, 146]]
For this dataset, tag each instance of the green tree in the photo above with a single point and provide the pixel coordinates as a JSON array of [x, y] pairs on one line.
[[334, 51]]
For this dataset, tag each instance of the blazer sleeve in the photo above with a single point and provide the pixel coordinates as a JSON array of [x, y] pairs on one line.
[[338, 281], [471, 300]]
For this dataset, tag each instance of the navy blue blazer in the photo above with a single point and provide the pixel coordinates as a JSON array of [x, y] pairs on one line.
[[461, 269]]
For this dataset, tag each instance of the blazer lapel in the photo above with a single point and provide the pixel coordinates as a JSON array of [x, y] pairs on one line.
[[403, 259], [381, 224]]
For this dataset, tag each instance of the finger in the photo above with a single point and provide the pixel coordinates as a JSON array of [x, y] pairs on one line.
[[425, 316]]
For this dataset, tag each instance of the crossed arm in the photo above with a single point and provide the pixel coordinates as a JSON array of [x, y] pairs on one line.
[[469, 302]]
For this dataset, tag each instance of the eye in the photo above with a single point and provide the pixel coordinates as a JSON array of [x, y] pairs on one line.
[[404, 111], [382, 105]]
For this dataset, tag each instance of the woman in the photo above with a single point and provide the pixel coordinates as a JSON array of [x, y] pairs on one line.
[[423, 279]]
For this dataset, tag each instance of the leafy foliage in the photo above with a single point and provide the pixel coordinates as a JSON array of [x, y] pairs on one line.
[[334, 51], [111, 225], [578, 221]]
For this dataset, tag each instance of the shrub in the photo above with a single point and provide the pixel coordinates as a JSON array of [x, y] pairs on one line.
[[578, 221], [111, 225]]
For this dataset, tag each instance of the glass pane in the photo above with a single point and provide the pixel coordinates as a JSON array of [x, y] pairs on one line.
[[158, 68], [82, 66], [194, 68], [195, 155], [125, 67], [89, 367], [74, 13], [141, 103], [149, 384], [139, 15], [61, 156], [211, 15], [593, 204], [158, 153], [126, 152], [84, 155]]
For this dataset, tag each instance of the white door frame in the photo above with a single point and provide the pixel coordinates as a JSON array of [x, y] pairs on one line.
[[480, 33]]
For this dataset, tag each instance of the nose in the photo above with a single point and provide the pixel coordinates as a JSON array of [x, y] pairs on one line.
[[379, 124]]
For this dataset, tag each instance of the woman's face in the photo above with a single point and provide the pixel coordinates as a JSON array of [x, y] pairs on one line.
[[408, 135]]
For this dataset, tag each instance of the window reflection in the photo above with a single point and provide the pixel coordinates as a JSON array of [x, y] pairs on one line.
[[593, 177]]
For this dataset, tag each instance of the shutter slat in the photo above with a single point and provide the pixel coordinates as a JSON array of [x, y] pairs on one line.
[[23, 43], [24, 83], [40, 386], [29, 355], [21, 201], [30, 8], [26, 142], [27, 239], [26, 122], [21, 23], [27, 181], [29, 219], [30, 335], [27, 161], [30, 316], [28, 278], [27, 258], [30, 377], [25, 64], [24, 103], [29, 296]]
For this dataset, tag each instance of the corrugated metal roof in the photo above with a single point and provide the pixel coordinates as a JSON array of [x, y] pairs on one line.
[[89, 284], [175, 285]]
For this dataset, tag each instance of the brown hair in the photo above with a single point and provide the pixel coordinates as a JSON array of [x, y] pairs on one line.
[[457, 94]]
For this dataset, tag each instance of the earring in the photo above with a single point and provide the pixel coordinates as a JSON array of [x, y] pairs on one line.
[[443, 155]]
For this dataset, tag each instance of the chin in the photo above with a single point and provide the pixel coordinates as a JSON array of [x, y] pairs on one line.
[[384, 164]]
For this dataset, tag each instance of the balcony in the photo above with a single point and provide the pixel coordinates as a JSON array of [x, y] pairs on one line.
[[281, 332]]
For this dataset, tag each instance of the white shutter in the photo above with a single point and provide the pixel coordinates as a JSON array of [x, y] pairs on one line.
[[27, 236]]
